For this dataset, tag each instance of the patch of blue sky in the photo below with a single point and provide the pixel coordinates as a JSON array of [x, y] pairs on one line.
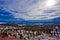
[[26, 9]]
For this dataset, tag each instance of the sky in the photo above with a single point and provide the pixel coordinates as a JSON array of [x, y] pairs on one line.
[[18, 10]]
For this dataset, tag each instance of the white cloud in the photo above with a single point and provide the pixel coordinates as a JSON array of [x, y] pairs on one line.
[[33, 11], [39, 9]]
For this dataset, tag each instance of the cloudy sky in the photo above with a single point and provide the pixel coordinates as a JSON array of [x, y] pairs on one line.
[[29, 9]]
